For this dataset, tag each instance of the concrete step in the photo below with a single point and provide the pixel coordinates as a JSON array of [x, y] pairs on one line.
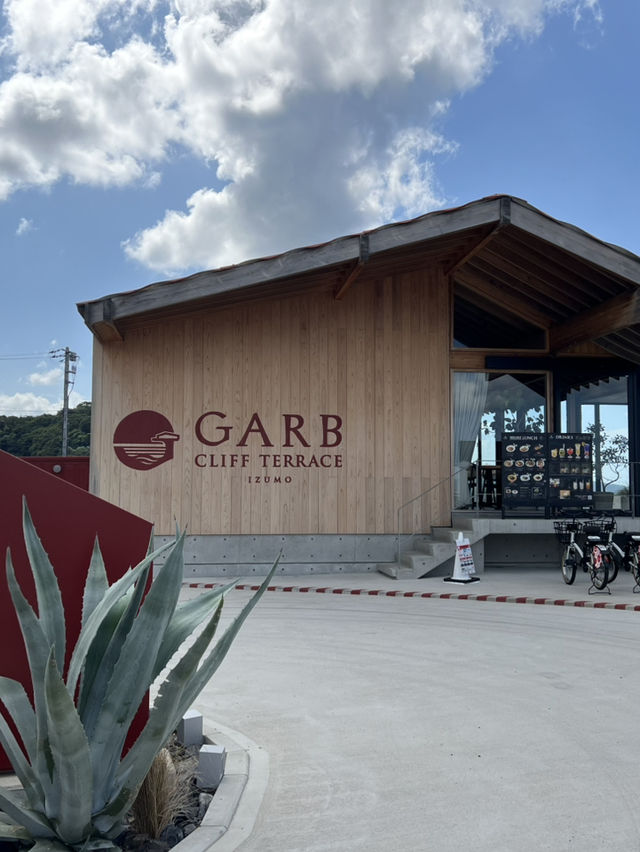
[[464, 522], [389, 569], [439, 550], [447, 534], [450, 534], [413, 564], [429, 552]]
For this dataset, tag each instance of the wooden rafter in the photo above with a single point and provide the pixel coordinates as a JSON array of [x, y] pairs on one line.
[[610, 316], [473, 251], [547, 288], [548, 264], [495, 293]]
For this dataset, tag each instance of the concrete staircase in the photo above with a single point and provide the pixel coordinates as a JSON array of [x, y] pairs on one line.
[[423, 554]]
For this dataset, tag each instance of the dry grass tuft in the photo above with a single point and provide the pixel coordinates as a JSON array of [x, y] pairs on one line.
[[165, 793]]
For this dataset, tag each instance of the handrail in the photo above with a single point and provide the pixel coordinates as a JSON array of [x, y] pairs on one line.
[[419, 497]]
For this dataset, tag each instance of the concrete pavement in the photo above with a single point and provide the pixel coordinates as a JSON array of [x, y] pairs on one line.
[[541, 585], [421, 723]]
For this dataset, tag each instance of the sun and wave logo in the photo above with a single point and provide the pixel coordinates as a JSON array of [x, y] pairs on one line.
[[144, 439]]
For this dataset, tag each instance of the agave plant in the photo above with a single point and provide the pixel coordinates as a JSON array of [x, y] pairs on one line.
[[77, 785]]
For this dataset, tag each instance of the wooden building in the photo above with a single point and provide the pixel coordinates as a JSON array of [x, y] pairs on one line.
[[321, 400]]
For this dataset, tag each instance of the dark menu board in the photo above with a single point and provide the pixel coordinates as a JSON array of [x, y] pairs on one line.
[[524, 469], [541, 469], [570, 469]]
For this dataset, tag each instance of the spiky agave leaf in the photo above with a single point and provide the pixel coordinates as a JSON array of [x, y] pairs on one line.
[[32, 820], [197, 683], [9, 831], [101, 611], [16, 700], [186, 617], [49, 599], [97, 661], [132, 674], [38, 649], [177, 693], [21, 767], [161, 722], [72, 771], [23, 717], [140, 636], [105, 653], [96, 583]]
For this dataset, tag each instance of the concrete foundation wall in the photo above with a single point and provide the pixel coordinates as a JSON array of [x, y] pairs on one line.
[[242, 555], [525, 550]]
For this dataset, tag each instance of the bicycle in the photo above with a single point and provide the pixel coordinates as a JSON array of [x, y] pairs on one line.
[[627, 557], [594, 556]]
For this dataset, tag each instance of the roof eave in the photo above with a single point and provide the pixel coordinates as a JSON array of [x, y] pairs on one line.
[[613, 259], [103, 314]]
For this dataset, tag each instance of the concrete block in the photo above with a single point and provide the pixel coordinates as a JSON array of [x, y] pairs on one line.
[[211, 548], [255, 549], [189, 730], [211, 763], [375, 548]]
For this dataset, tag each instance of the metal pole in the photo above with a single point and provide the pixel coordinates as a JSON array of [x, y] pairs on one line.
[[65, 403], [69, 358], [597, 443]]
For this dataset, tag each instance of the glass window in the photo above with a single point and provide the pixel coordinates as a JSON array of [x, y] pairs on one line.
[[484, 406], [481, 324], [601, 408]]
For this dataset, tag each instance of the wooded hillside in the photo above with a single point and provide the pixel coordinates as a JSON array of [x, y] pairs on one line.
[[41, 435]]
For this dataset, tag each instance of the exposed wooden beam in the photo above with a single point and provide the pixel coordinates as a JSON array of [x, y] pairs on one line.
[[550, 264], [473, 251], [356, 270], [548, 288], [614, 314], [99, 317], [466, 359], [571, 239], [495, 293], [586, 349]]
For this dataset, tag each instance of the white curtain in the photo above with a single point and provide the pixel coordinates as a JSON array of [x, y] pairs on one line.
[[469, 398]]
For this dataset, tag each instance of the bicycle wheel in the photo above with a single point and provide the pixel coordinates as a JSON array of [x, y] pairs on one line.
[[568, 566], [599, 567], [615, 560], [634, 560]]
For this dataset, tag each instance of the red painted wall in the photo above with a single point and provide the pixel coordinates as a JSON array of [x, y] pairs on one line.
[[67, 519], [73, 469]]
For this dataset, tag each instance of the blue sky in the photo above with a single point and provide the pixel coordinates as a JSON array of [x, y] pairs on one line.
[[146, 139]]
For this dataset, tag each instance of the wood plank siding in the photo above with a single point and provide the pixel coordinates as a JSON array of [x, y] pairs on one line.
[[378, 358]]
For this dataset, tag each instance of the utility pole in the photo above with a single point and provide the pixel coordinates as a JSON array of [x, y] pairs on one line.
[[69, 358]]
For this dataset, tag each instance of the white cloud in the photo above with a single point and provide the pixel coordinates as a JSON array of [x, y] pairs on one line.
[[26, 403], [24, 226], [23, 404], [311, 113], [46, 377], [402, 178]]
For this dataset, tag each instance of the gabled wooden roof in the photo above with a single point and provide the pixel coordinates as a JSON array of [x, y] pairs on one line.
[[517, 262]]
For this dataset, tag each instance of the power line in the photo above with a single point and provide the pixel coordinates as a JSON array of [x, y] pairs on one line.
[[35, 357]]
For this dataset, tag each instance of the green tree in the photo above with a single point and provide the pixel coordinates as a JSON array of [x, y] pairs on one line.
[[41, 435], [611, 455]]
